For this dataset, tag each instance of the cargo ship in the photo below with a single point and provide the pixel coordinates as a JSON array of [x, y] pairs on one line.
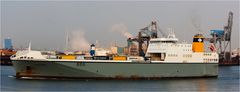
[[165, 57]]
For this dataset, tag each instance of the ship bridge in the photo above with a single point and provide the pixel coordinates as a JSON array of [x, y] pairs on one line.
[[169, 39], [160, 47]]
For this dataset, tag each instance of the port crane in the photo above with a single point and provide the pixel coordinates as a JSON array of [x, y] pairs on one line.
[[145, 34], [222, 40]]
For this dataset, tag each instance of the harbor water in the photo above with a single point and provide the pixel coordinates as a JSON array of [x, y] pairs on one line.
[[227, 81]]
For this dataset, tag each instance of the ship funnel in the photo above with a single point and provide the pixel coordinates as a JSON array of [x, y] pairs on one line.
[[92, 50], [198, 43]]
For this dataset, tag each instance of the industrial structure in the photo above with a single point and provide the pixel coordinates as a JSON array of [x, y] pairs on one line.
[[6, 52], [222, 41], [8, 43], [144, 35]]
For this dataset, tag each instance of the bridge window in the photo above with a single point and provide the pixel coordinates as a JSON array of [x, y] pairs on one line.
[[154, 41]]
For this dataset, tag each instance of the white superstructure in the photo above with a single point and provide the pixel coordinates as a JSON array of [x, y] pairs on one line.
[[170, 50], [160, 50]]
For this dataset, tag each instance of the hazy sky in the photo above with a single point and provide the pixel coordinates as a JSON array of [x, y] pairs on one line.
[[45, 23]]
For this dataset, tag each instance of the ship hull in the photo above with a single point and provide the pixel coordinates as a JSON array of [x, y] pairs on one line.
[[113, 70], [5, 60]]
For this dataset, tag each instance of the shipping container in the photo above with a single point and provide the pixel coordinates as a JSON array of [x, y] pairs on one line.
[[72, 57], [119, 58]]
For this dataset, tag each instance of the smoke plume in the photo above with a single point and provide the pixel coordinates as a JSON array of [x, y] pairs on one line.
[[77, 41], [122, 29]]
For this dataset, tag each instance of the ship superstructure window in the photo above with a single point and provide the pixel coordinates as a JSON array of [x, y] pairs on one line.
[[186, 49], [154, 41], [187, 55], [168, 41], [29, 57], [209, 59], [207, 54], [172, 55], [13, 55]]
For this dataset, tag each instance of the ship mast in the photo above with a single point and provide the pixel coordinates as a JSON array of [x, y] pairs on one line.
[[29, 46], [67, 40]]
